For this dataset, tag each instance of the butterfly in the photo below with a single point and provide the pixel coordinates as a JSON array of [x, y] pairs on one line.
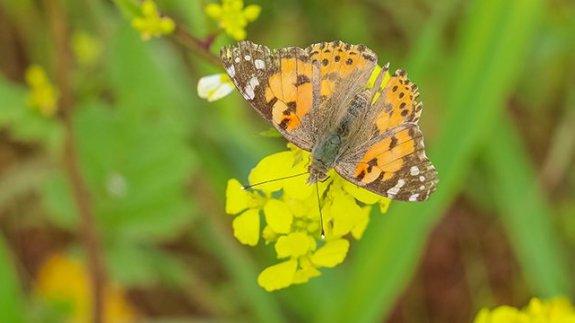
[[317, 97]]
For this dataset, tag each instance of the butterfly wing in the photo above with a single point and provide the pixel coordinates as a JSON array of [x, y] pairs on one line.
[[344, 70], [300, 91], [392, 160], [276, 83]]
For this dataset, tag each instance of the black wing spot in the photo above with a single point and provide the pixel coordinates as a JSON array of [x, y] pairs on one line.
[[284, 123], [404, 113], [291, 107], [325, 61], [337, 58], [402, 105], [349, 61], [360, 176], [302, 79], [393, 142]]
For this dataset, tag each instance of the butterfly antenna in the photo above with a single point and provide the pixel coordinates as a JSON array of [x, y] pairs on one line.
[[245, 187], [319, 207]]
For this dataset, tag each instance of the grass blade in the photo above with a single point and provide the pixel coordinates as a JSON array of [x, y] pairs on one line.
[[526, 215], [492, 48]]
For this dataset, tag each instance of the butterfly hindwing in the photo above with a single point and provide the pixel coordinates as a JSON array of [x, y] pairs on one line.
[[393, 162]]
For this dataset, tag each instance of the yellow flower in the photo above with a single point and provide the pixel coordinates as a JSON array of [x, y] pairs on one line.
[[233, 17], [65, 280], [556, 310], [215, 87], [87, 48], [291, 219], [150, 24], [43, 95]]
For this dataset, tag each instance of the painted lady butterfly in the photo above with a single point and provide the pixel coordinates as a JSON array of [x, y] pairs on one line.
[[317, 97]]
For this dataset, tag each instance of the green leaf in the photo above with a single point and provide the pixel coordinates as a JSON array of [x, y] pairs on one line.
[[526, 215], [11, 298]]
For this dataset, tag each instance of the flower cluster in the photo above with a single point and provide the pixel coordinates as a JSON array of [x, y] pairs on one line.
[[288, 211], [150, 24], [42, 96], [232, 17], [557, 310]]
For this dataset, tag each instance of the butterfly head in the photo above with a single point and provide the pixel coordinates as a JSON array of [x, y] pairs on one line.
[[317, 172]]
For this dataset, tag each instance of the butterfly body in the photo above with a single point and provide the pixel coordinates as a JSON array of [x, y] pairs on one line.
[[326, 151], [317, 97]]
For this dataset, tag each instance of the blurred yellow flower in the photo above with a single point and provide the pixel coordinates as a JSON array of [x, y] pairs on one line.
[[556, 310], [215, 87], [87, 48], [291, 217], [150, 24], [42, 96], [232, 17], [63, 279]]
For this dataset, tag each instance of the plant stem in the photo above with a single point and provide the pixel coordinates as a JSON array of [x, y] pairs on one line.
[[63, 60], [196, 45]]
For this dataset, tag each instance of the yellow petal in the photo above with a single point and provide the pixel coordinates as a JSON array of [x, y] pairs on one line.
[[278, 276], [482, 316], [272, 167], [149, 8], [507, 314], [167, 26], [346, 214], [278, 216], [361, 194], [213, 11], [384, 205], [237, 199], [295, 244], [306, 271], [247, 227], [331, 254], [214, 87], [361, 223], [297, 187], [269, 235], [252, 12]]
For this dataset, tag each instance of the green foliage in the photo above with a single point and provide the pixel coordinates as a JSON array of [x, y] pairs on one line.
[[11, 296], [156, 157]]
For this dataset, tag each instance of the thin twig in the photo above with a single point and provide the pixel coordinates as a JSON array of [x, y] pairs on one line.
[[202, 48], [63, 60]]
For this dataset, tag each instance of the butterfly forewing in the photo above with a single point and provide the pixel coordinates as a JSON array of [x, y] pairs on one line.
[[269, 82]]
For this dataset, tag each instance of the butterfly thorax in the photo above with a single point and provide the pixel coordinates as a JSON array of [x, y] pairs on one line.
[[323, 157]]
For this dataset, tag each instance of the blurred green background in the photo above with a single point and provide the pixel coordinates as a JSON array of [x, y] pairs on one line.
[[497, 79]]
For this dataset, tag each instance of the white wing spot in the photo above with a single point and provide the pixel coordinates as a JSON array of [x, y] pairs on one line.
[[231, 71], [260, 65], [414, 170], [248, 58], [421, 178], [414, 197], [422, 187], [250, 87], [394, 190], [237, 60]]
